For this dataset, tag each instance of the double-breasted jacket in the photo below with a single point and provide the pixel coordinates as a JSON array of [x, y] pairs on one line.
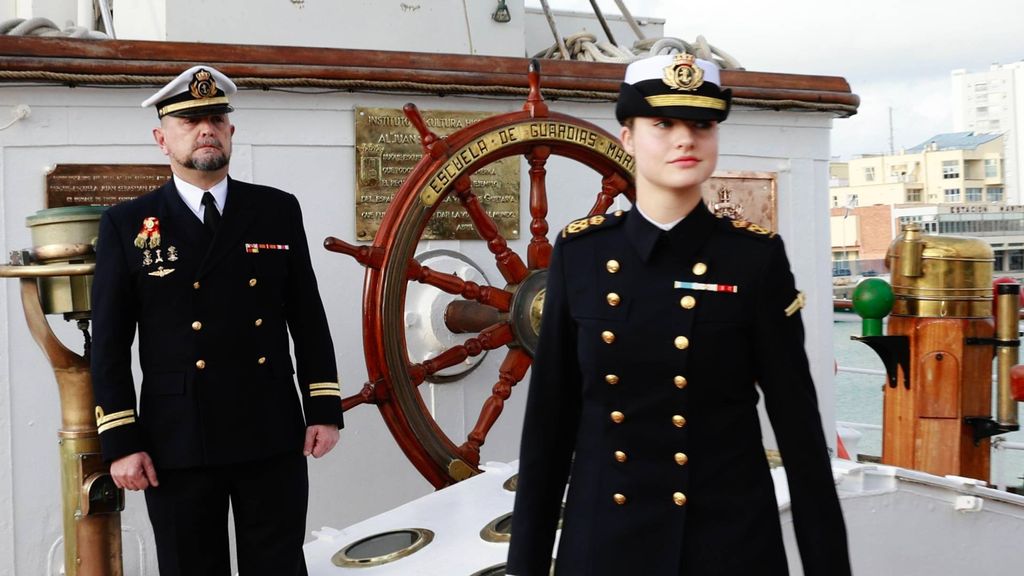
[[643, 397]]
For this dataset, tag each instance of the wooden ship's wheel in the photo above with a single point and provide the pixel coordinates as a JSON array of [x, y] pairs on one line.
[[506, 317]]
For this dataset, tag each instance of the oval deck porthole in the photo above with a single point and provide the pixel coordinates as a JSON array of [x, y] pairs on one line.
[[382, 548], [498, 530], [512, 483], [496, 570]]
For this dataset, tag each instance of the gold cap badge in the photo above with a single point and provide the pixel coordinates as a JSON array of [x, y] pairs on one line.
[[683, 73], [203, 85]]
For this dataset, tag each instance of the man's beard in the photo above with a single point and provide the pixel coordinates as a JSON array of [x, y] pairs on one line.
[[207, 163]]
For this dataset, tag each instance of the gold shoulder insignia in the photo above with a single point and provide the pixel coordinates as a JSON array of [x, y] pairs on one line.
[[748, 225], [577, 226], [796, 304]]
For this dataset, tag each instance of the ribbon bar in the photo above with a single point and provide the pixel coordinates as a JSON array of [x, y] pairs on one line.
[[706, 287], [255, 248]]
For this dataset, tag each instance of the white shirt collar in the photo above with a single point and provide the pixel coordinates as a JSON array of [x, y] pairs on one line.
[[193, 195], [665, 227]]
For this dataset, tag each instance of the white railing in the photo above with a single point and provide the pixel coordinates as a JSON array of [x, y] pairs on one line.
[[999, 444]]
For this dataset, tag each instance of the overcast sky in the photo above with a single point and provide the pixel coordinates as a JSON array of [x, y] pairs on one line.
[[894, 53]]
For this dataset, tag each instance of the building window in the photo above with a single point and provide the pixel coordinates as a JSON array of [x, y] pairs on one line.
[[981, 110], [994, 194], [991, 168], [973, 195], [950, 169], [869, 174], [913, 196], [952, 194], [852, 201], [1016, 260], [835, 201]]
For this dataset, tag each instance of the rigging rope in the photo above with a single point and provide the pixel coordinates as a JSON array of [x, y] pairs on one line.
[[45, 27]]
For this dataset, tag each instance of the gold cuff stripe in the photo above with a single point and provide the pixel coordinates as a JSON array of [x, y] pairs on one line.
[[116, 423], [325, 393], [192, 104], [796, 305], [686, 100], [103, 419], [325, 386]]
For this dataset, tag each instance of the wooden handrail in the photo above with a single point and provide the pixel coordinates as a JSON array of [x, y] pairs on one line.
[[132, 62]]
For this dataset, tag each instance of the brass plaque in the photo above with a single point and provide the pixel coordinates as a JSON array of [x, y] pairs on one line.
[[387, 149], [101, 184]]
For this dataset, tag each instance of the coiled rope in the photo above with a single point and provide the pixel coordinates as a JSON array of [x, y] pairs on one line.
[[40, 27], [585, 47]]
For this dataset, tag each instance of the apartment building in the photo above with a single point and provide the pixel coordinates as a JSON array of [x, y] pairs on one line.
[[993, 101]]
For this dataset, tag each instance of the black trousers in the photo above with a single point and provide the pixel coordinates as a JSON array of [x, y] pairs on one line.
[[268, 498]]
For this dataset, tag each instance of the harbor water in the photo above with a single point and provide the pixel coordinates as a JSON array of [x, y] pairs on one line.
[[859, 399]]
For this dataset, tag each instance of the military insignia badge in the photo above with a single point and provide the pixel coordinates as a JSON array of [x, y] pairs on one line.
[[203, 85], [160, 272], [582, 224], [748, 225], [683, 73], [149, 234]]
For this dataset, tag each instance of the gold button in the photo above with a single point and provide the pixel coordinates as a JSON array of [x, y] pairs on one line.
[[613, 299], [620, 499], [682, 342], [252, 281], [680, 382], [608, 336], [619, 212], [679, 498], [259, 322], [681, 458], [201, 364], [688, 302], [197, 325], [611, 379], [195, 285], [678, 421], [612, 266], [700, 268], [262, 360], [618, 417], [620, 456]]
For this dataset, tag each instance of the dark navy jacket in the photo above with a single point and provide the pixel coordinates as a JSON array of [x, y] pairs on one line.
[[213, 316], [643, 397]]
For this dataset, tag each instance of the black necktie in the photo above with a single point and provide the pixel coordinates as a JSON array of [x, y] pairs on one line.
[[211, 217]]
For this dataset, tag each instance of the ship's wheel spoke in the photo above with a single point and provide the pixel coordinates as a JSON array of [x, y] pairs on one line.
[[509, 263], [490, 338], [539, 252], [611, 186], [452, 284], [368, 256], [512, 371]]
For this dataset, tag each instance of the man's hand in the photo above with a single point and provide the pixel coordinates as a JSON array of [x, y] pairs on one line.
[[320, 439], [134, 472]]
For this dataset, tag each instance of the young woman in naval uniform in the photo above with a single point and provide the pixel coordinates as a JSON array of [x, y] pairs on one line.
[[662, 326]]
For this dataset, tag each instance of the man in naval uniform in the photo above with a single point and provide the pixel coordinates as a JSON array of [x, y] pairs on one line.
[[214, 274], [660, 324]]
